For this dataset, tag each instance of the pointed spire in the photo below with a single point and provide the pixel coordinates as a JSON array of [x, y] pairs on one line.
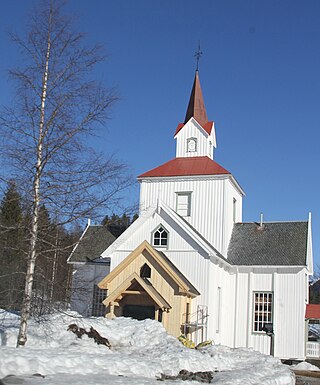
[[196, 107]]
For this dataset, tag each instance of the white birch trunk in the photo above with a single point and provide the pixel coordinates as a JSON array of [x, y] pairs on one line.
[[54, 268], [26, 307]]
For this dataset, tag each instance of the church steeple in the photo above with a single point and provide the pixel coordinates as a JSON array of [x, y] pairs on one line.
[[196, 135], [196, 107]]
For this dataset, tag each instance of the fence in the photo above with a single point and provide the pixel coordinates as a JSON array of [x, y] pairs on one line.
[[313, 349]]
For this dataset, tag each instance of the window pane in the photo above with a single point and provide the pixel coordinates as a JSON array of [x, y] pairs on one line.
[[145, 271], [262, 310], [98, 308], [183, 212], [183, 204], [160, 237]]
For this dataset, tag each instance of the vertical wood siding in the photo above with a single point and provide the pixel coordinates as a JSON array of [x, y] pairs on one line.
[[211, 199], [163, 283], [203, 139], [288, 312]]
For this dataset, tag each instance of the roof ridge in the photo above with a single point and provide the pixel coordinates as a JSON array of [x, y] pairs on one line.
[[268, 222]]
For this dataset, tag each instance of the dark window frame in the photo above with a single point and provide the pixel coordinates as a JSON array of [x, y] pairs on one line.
[[160, 237], [99, 295], [262, 310]]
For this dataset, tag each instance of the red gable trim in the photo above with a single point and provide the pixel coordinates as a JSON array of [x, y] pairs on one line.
[[207, 127], [195, 165], [312, 311], [180, 125]]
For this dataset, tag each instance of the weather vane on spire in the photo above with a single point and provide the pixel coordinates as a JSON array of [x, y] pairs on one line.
[[197, 55]]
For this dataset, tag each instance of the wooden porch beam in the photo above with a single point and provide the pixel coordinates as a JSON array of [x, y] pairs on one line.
[[134, 292]]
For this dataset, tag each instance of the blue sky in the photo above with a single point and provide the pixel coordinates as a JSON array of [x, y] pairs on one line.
[[260, 79]]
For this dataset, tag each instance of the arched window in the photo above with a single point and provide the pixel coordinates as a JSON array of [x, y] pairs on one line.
[[145, 271], [160, 237]]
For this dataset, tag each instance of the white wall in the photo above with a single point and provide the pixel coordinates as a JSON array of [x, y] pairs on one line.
[[290, 305], [211, 203], [221, 315], [230, 323], [182, 250], [191, 130], [289, 299], [85, 276]]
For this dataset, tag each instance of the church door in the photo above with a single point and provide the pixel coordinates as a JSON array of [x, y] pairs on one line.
[[139, 312]]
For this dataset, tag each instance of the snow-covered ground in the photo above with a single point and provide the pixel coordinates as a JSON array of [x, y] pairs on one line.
[[305, 366], [140, 352]]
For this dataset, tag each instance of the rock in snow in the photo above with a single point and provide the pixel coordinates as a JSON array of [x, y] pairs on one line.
[[141, 352]]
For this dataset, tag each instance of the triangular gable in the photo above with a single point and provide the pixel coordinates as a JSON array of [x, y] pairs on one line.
[[186, 227], [207, 129], [193, 233], [143, 217], [184, 285], [147, 287]]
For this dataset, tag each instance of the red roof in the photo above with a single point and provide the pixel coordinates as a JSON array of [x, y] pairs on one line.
[[313, 311], [196, 107], [207, 127], [195, 165]]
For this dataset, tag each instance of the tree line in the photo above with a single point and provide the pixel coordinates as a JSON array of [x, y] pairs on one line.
[[53, 275]]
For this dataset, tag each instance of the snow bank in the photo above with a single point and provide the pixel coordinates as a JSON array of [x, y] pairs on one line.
[[305, 366], [141, 351]]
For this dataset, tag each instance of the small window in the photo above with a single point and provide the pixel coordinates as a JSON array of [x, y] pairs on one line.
[[145, 271], [234, 210], [98, 308], [262, 310], [219, 304], [160, 237], [192, 145], [184, 204]]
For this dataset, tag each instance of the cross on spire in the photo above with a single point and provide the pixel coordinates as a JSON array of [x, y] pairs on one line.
[[197, 55]]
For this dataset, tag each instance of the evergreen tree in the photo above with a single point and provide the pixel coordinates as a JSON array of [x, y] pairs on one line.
[[52, 279], [12, 249], [116, 224]]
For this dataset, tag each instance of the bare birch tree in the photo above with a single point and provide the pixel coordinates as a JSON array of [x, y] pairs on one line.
[[57, 108]]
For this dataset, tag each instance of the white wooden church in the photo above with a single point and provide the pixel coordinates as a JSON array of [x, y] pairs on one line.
[[190, 262]]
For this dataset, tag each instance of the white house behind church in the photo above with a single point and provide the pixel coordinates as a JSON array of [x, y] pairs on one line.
[[190, 262]]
